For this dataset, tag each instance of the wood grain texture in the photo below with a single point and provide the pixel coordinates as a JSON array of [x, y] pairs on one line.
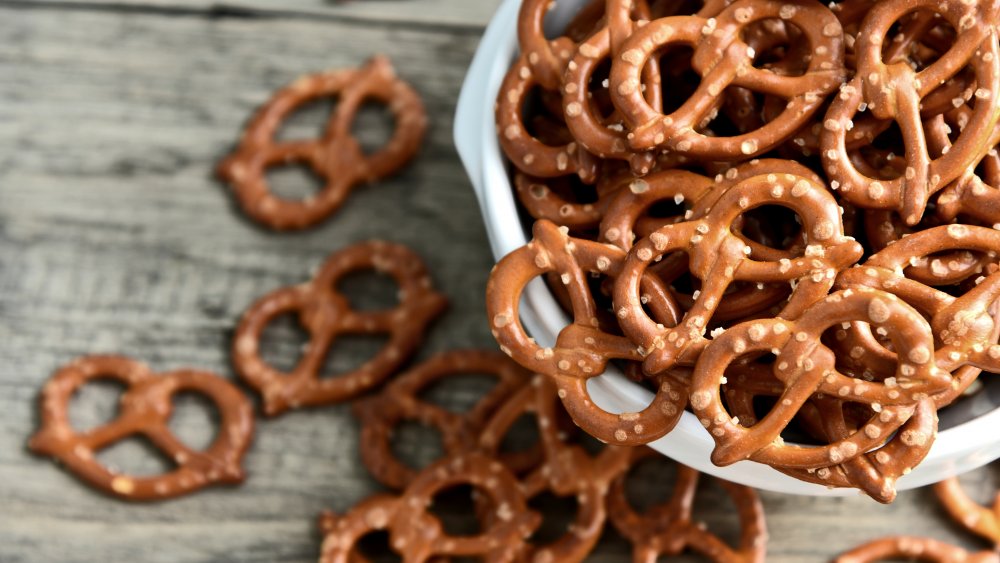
[[423, 13], [114, 237]]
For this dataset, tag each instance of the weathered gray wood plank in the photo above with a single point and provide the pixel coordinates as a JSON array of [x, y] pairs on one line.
[[437, 13], [115, 237]]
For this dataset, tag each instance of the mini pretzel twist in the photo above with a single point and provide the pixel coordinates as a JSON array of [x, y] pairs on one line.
[[978, 519], [894, 91], [924, 549], [418, 536], [582, 350], [805, 366], [528, 152], [144, 410], [669, 528], [326, 314], [565, 470], [723, 59], [965, 327], [336, 157], [718, 257], [400, 401]]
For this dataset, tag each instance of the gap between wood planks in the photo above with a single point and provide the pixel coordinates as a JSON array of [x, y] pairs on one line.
[[221, 11]]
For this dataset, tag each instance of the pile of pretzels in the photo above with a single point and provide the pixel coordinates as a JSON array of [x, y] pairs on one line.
[[779, 215]]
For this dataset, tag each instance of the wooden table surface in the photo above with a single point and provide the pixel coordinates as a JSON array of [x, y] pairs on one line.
[[115, 237]]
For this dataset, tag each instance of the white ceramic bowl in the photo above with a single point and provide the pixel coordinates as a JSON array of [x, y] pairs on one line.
[[968, 439]]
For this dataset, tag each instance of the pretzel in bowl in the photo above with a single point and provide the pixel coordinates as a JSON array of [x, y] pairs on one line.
[[806, 366], [669, 528], [912, 547], [400, 400], [582, 350], [418, 535], [895, 91], [337, 157], [326, 314], [717, 257], [723, 60], [144, 410]]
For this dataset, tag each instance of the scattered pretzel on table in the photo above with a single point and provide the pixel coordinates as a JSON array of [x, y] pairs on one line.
[[337, 157], [326, 314], [669, 528], [911, 547], [399, 401], [145, 410], [981, 520]]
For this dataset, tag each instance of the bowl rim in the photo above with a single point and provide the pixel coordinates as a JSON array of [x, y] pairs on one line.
[[956, 449]]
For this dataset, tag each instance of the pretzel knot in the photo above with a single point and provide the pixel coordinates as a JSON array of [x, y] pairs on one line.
[[965, 325], [723, 59], [805, 365], [718, 257], [144, 410], [895, 91], [978, 519], [418, 535], [582, 350], [326, 314], [336, 157], [926, 549], [400, 401], [669, 528], [566, 469]]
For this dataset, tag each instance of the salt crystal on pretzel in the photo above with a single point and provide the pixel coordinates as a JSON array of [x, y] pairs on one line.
[[144, 410]]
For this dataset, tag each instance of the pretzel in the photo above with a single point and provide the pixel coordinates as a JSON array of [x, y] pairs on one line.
[[145, 409], [418, 535], [582, 350], [400, 401], [336, 157], [723, 59], [566, 470], [325, 313], [924, 549], [717, 257], [965, 327], [529, 153], [805, 366], [894, 91], [669, 528], [978, 519]]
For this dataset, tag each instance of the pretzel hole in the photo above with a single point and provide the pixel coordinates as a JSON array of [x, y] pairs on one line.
[[522, 435], [786, 51], [352, 352], [774, 226], [416, 445], [716, 509], [282, 342], [600, 94], [95, 403], [135, 455], [650, 482], [455, 507], [793, 433], [920, 51], [368, 290], [373, 125], [558, 515], [459, 393], [679, 79], [884, 158], [308, 121], [293, 181], [195, 419], [374, 547]]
